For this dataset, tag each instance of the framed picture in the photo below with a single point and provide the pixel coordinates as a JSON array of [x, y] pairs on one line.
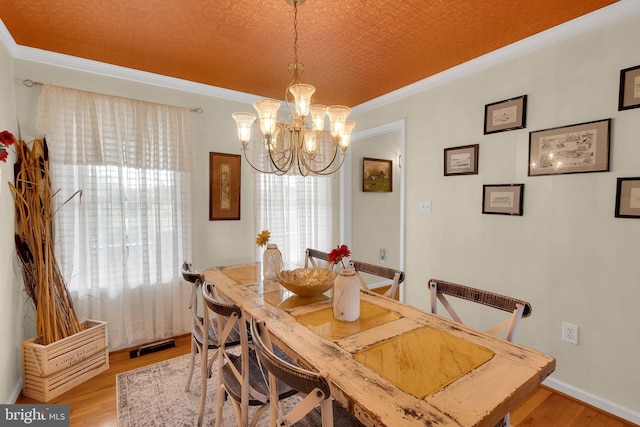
[[502, 199], [505, 115], [629, 88], [377, 175], [628, 198], [570, 149], [224, 186], [461, 160]]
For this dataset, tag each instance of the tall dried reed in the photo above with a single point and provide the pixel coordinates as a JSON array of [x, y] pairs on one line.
[[43, 281]]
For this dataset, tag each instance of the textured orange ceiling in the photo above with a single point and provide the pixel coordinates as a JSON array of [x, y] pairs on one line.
[[352, 50]]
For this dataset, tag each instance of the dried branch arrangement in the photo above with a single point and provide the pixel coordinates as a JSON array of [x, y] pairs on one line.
[[43, 281]]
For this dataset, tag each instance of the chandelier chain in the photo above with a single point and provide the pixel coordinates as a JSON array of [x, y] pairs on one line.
[[295, 34]]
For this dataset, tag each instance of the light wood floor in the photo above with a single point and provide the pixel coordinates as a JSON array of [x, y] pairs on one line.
[[93, 403]]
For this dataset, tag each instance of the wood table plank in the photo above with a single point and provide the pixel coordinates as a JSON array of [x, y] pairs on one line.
[[479, 398]]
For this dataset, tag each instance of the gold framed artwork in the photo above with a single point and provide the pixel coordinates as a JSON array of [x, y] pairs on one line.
[[505, 115], [224, 186], [629, 96], [579, 148], [377, 175], [503, 199], [628, 198], [461, 160]]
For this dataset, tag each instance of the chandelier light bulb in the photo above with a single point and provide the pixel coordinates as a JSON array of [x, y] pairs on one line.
[[337, 116], [346, 137], [302, 97], [318, 111], [310, 141], [268, 113], [244, 121]]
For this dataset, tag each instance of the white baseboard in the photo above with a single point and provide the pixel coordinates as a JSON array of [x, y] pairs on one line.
[[15, 393], [596, 401]]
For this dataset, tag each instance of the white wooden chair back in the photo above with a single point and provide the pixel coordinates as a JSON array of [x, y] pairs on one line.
[[518, 309], [395, 276]]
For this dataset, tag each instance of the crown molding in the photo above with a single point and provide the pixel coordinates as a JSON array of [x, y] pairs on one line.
[[606, 15], [7, 40]]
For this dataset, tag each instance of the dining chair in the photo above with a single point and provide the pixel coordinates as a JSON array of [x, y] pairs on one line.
[[199, 333], [195, 279], [396, 276], [239, 375], [312, 256], [316, 406], [518, 309]]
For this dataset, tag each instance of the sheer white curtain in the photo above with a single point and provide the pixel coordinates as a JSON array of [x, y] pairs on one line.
[[297, 211], [120, 246]]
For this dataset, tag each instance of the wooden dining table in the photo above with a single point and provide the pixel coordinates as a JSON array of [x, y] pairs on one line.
[[397, 365]]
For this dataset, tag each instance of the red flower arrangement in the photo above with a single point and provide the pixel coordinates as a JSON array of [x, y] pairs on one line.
[[6, 139], [337, 254]]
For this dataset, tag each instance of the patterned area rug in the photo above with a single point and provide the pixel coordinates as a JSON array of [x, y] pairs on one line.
[[154, 396]]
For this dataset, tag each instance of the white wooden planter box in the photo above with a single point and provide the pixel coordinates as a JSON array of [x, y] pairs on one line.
[[50, 370]]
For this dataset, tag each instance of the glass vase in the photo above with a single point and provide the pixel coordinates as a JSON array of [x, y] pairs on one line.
[[271, 262], [346, 295]]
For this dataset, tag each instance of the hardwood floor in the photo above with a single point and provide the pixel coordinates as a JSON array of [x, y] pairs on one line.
[[93, 403]]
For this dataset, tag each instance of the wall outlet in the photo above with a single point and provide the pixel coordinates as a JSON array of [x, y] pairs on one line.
[[570, 333]]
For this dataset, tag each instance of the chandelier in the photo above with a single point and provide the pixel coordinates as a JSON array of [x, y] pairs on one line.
[[300, 145]]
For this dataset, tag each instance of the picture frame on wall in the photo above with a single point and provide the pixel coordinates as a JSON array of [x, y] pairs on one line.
[[629, 88], [224, 186], [506, 115], [628, 198], [503, 199], [461, 160], [377, 175], [578, 148]]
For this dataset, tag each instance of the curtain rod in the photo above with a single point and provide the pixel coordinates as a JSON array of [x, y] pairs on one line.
[[31, 83]]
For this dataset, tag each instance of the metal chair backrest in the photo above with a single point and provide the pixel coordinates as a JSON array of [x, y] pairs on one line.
[[517, 308], [396, 276]]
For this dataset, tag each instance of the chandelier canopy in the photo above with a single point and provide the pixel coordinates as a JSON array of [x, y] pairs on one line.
[[300, 145]]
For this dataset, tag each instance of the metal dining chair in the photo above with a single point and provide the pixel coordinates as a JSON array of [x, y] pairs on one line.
[[396, 276], [316, 406], [518, 309], [239, 375]]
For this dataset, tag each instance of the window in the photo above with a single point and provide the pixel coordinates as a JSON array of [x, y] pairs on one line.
[[297, 210], [121, 245]]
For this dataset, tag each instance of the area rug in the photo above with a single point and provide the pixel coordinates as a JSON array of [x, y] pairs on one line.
[[154, 396]]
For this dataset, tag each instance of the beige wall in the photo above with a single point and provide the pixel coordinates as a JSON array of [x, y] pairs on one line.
[[375, 217], [567, 255]]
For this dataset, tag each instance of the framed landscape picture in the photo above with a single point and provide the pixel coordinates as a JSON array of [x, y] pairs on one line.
[[377, 175], [570, 149], [461, 160], [503, 199], [629, 88], [505, 115], [224, 186], [628, 198]]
